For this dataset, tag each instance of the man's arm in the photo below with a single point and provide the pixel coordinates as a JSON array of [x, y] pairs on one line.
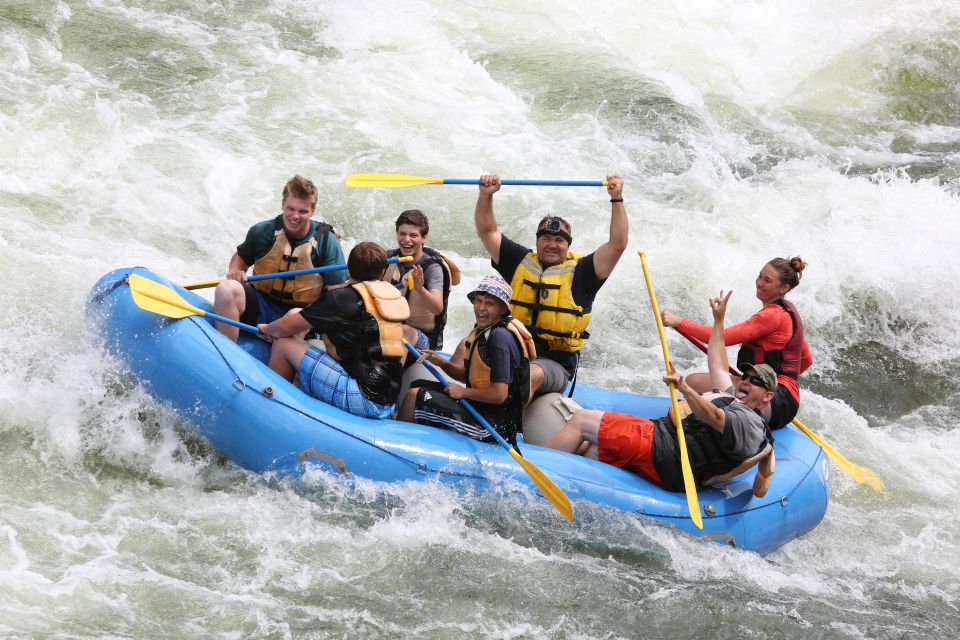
[[607, 255], [237, 268], [433, 296], [717, 362], [705, 410], [483, 218], [289, 325]]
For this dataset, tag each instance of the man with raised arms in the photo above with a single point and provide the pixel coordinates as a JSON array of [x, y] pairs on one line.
[[553, 288], [289, 242], [725, 433]]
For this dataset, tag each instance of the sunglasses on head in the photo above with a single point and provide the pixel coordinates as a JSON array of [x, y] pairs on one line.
[[754, 380]]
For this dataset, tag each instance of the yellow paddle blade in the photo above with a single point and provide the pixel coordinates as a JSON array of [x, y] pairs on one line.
[[689, 486], [370, 180], [861, 474], [206, 284], [157, 298], [550, 491]]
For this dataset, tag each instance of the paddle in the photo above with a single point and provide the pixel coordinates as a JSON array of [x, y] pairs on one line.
[[160, 299], [286, 274], [550, 491], [693, 503], [394, 180], [861, 474]]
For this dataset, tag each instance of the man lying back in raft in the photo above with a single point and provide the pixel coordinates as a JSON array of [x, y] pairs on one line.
[[289, 242], [494, 362], [362, 331], [724, 432], [553, 288]]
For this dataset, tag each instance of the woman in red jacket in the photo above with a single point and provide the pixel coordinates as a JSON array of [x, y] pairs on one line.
[[773, 335]]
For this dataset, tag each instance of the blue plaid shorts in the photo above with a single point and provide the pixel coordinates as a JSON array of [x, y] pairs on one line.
[[323, 378], [422, 341]]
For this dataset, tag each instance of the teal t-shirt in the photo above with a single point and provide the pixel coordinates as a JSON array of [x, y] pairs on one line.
[[260, 239]]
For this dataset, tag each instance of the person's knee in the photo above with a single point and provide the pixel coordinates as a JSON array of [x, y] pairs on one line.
[[229, 294], [536, 376]]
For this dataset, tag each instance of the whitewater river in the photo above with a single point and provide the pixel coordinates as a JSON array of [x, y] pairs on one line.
[[155, 133]]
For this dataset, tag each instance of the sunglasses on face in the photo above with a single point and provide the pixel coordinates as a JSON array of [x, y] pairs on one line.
[[754, 380]]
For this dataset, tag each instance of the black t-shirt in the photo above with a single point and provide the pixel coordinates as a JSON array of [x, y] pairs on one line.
[[586, 284], [340, 314]]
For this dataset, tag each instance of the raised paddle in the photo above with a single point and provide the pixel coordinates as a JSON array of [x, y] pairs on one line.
[[861, 474], [286, 274], [550, 491], [693, 503], [160, 299], [394, 180]]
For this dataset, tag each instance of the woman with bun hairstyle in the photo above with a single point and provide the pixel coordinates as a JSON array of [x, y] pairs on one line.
[[773, 336]]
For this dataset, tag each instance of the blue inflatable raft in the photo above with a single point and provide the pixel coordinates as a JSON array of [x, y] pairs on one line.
[[265, 424]]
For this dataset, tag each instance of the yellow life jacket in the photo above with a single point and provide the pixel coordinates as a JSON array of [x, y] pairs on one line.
[[300, 290], [389, 309], [543, 301], [420, 317], [478, 371]]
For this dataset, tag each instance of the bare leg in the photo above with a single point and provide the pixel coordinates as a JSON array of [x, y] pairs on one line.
[[285, 356], [583, 426], [230, 301], [700, 382], [408, 406]]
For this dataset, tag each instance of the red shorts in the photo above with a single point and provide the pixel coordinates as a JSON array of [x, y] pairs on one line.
[[627, 441]]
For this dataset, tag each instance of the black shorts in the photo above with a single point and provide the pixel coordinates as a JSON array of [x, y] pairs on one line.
[[437, 409], [783, 408]]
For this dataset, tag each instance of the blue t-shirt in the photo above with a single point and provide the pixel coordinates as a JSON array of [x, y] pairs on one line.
[[585, 286], [503, 356], [260, 239]]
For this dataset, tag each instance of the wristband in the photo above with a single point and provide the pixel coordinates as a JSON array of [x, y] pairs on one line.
[[616, 199]]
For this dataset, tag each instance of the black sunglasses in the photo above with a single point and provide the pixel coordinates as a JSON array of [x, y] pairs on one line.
[[754, 380]]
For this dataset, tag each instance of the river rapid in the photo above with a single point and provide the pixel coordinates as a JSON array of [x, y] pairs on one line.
[[156, 133]]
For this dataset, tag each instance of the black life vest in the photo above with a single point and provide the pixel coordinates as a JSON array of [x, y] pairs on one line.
[[433, 326], [784, 361], [708, 460]]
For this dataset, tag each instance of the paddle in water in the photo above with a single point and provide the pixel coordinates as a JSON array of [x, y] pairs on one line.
[[550, 491], [395, 180], [689, 486]]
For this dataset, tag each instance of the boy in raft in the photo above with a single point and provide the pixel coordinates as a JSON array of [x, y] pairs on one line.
[[493, 361], [725, 433], [362, 331], [289, 242], [553, 288], [427, 280]]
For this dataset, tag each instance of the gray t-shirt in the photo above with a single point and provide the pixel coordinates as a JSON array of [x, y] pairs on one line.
[[744, 430], [743, 434]]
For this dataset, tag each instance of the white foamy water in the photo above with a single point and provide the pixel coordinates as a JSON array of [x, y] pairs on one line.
[[156, 133]]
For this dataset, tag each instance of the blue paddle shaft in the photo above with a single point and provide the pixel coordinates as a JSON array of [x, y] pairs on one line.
[[245, 327], [534, 183], [305, 272], [466, 403]]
